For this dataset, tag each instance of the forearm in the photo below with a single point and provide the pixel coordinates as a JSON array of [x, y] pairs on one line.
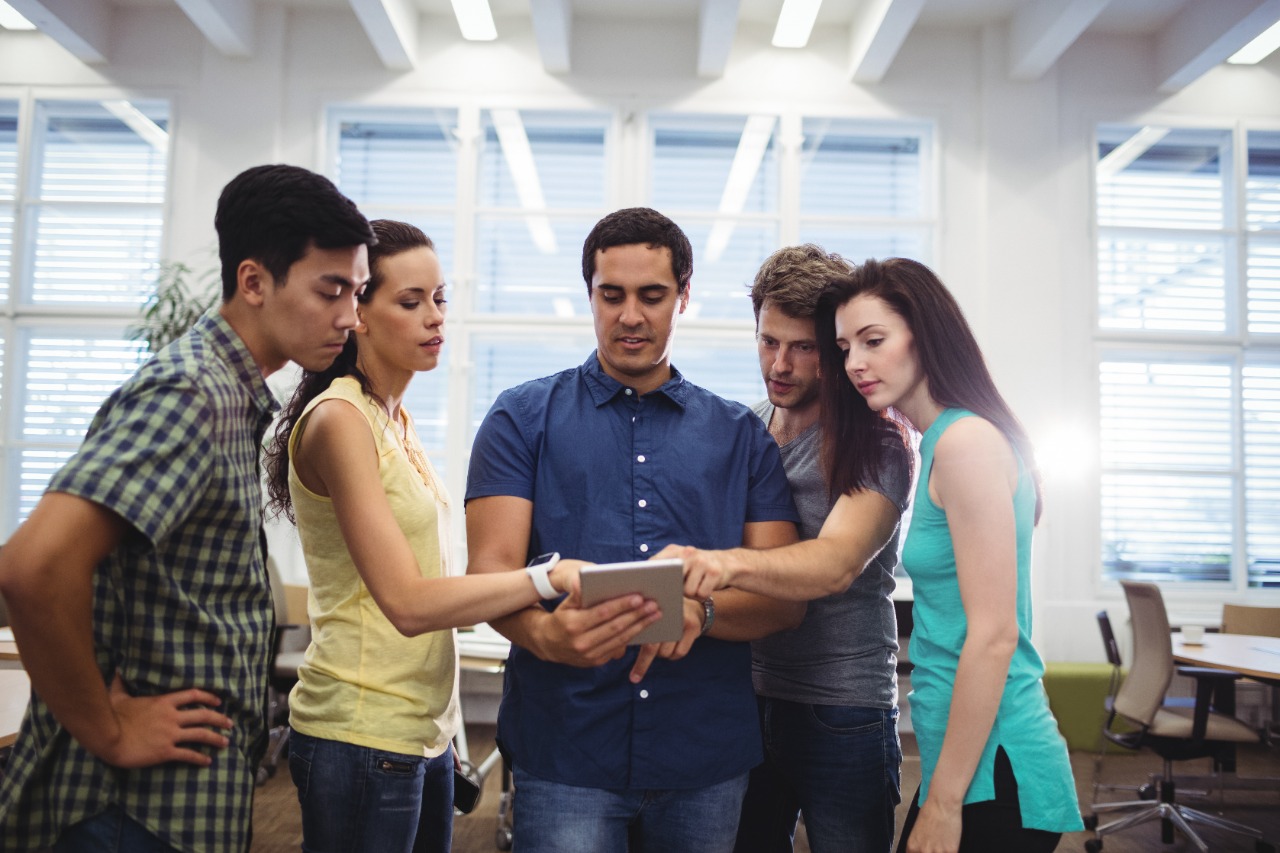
[[436, 604], [742, 616], [975, 700], [54, 630], [797, 573]]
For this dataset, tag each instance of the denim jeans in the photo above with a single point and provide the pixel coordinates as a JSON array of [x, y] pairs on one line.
[[361, 800], [838, 766], [551, 817], [113, 831]]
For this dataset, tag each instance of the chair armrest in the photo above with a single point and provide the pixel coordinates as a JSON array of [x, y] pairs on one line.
[[1210, 684]]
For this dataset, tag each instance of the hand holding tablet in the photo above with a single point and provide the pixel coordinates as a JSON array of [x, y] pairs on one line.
[[660, 580]]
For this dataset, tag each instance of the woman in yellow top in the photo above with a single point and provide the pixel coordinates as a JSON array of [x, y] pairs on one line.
[[375, 708]]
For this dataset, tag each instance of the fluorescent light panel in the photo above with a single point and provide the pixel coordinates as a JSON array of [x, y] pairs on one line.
[[11, 20], [1258, 49], [795, 22], [475, 19], [524, 171]]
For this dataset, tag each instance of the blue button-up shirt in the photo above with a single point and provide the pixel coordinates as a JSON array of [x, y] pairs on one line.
[[615, 476]]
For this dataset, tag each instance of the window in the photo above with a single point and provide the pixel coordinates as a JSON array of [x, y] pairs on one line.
[[1189, 354], [530, 184], [81, 220]]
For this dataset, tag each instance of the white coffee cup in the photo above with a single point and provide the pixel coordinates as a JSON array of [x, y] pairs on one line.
[[1193, 634]]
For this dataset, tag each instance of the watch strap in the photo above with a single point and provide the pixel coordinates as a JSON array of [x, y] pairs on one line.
[[708, 614], [539, 573]]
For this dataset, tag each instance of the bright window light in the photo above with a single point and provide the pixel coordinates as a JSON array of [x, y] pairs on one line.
[[475, 20], [524, 172], [742, 174], [11, 20], [1258, 49], [1119, 158], [795, 22]]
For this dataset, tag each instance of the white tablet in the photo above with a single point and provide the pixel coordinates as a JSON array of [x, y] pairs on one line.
[[660, 580]]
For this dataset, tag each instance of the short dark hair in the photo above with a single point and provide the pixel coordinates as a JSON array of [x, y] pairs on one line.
[[949, 358], [274, 213], [645, 225], [793, 277]]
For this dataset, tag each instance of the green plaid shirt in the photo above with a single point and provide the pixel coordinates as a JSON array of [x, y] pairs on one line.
[[184, 601]]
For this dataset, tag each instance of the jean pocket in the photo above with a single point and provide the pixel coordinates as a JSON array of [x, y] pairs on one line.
[[841, 719], [395, 765], [300, 765]]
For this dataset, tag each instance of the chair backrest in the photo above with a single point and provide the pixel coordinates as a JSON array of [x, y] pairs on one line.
[[1109, 639], [1243, 619], [1143, 690]]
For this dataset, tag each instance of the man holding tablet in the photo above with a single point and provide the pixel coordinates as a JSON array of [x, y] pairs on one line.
[[610, 461]]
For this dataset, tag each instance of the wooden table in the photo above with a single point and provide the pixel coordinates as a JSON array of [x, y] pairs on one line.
[[1256, 657], [15, 690]]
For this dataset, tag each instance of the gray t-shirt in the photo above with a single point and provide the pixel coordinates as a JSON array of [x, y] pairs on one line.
[[845, 650]]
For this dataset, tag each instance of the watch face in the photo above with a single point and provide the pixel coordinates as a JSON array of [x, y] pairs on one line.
[[549, 557]]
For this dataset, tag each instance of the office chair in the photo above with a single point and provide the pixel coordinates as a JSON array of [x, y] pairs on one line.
[[1112, 648], [1260, 622], [291, 641], [1173, 733]]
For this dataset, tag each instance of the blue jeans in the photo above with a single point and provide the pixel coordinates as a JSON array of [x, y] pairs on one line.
[[361, 800], [838, 766], [113, 831], [551, 817]]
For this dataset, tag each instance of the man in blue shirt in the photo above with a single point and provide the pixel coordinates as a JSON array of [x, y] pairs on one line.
[[615, 748]]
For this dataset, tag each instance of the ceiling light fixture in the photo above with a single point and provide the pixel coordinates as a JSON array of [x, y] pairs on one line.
[[795, 22], [475, 19], [10, 19], [1258, 49]]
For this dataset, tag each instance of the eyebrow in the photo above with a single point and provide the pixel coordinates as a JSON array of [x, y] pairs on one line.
[[342, 281]]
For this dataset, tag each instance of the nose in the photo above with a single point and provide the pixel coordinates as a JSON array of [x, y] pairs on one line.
[[346, 319], [853, 364], [434, 316], [782, 362], [631, 314]]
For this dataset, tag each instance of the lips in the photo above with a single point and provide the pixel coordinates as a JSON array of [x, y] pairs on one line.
[[865, 388]]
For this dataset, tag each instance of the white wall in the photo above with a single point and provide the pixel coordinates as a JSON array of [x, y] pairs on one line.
[[1015, 241]]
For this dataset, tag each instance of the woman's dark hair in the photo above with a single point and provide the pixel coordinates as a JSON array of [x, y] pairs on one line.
[[393, 238], [949, 358]]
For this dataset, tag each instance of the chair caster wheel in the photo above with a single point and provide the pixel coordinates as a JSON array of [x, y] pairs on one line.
[[1093, 845], [1090, 822], [502, 839], [1147, 792]]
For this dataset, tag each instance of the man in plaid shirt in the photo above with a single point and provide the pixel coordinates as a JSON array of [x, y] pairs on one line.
[[137, 587]]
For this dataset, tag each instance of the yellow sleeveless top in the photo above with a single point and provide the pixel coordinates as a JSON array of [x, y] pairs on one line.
[[363, 681]]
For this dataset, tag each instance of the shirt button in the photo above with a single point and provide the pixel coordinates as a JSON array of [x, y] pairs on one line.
[[644, 694], [627, 392], [644, 549], [640, 458], [643, 503]]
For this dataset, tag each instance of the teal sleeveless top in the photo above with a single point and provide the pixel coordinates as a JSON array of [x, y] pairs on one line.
[[1024, 726]]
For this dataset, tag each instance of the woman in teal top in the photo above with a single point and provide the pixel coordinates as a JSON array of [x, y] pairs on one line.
[[995, 774]]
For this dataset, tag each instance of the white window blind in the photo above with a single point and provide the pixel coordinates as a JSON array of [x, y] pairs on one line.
[[99, 172], [1189, 389], [90, 179]]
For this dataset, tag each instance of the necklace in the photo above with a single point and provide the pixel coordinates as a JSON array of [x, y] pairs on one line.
[[408, 439]]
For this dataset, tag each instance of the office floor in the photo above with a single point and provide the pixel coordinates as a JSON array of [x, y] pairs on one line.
[[277, 829]]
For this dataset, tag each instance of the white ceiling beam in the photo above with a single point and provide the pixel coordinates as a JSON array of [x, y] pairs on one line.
[[392, 28], [227, 24], [552, 27], [879, 29], [1202, 35], [1042, 31], [717, 25], [83, 27]]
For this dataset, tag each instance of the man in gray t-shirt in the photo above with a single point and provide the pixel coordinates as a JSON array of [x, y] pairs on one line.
[[827, 690]]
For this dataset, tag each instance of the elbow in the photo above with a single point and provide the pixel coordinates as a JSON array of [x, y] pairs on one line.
[[841, 580]]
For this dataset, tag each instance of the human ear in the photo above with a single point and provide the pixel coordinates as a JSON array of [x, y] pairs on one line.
[[252, 280]]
